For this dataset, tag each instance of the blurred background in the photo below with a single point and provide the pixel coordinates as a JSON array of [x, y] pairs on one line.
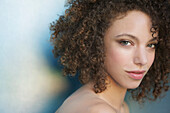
[[31, 80]]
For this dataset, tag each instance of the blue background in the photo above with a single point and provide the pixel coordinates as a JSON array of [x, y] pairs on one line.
[[30, 78]]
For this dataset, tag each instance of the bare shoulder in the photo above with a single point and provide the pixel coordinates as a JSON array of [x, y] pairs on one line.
[[78, 102], [126, 108], [84, 101], [93, 108], [100, 108]]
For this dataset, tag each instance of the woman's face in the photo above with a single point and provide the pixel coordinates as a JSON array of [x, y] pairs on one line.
[[130, 49]]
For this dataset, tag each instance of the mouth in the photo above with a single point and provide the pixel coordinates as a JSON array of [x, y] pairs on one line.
[[137, 75]]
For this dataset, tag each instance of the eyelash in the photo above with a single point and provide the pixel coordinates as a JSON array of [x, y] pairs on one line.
[[122, 42], [155, 45]]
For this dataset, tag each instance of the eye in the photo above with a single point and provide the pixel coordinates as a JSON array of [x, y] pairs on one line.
[[152, 46], [125, 43]]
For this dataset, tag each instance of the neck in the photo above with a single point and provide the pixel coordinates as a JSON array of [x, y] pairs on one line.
[[114, 94]]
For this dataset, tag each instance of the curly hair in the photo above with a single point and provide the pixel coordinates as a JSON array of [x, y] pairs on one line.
[[78, 40]]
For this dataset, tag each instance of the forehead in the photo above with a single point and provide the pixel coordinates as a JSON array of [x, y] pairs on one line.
[[134, 22]]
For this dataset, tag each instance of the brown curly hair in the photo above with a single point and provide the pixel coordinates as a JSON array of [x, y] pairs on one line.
[[78, 40]]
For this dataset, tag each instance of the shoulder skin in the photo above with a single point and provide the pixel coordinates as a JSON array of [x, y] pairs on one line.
[[100, 108]]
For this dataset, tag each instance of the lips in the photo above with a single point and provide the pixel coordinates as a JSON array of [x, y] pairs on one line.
[[136, 74]]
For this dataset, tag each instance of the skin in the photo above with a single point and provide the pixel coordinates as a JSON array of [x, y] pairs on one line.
[[129, 47], [123, 53]]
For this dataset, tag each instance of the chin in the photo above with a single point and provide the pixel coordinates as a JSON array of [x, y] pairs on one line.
[[133, 86]]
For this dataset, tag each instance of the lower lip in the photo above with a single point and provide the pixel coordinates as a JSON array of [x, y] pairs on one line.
[[136, 76]]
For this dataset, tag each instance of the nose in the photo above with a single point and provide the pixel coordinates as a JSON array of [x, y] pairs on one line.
[[140, 57]]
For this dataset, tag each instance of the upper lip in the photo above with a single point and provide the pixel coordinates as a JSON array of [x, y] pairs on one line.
[[137, 71]]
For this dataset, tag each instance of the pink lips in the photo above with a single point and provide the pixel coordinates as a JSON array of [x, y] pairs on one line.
[[136, 74]]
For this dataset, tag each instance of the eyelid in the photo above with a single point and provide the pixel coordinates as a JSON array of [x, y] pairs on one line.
[[153, 43], [125, 40]]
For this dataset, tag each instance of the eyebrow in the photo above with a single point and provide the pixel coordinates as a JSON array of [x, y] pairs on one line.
[[134, 37]]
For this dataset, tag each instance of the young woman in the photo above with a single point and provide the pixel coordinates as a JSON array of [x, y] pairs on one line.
[[114, 46]]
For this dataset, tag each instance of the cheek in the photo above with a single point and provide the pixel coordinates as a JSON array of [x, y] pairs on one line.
[[151, 58], [118, 57]]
